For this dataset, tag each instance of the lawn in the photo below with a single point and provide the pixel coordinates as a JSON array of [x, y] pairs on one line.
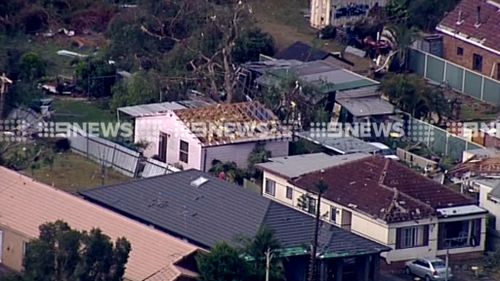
[[72, 173], [80, 110]]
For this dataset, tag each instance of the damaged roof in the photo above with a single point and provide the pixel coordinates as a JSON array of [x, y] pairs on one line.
[[477, 166], [205, 210], [462, 21], [232, 122], [384, 189]]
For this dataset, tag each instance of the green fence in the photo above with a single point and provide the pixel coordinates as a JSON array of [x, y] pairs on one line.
[[459, 78], [439, 141]]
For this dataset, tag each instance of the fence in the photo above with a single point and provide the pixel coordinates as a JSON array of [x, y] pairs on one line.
[[154, 168], [438, 140], [415, 160], [457, 77], [124, 160]]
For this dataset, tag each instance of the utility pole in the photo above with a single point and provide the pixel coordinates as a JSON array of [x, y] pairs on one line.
[[447, 264], [268, 262], [321, 187]]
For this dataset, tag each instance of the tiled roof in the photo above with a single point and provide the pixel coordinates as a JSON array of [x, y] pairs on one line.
[[384, 189], [302, 52], [218, 211], [217, 122], [26, 204], [477, 166], [487, 33]]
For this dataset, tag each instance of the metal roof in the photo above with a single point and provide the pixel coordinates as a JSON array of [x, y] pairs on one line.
[[302, 52], [150, 109], [342, 145], [369, 106], [294, 166], [217, 211], [461, 210], [26, 204]]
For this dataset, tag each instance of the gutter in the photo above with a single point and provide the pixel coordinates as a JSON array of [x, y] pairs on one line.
[[449, 32]]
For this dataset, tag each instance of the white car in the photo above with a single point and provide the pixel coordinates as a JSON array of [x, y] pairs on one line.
[[431, 269], [382, 149]]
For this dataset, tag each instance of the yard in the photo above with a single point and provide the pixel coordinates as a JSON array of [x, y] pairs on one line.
[[72, 173], [472, 109], [80, 110]]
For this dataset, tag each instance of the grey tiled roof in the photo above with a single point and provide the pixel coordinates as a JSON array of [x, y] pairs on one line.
[[220, 211]]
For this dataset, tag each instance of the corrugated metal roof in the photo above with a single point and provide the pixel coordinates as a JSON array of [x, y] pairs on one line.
[[150, 109], [26, 204], [220, 211], [294, 166], [370, 106], [342, 145]]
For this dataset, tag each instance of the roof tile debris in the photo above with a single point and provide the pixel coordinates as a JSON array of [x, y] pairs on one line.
[[477, 166], [384, 189]]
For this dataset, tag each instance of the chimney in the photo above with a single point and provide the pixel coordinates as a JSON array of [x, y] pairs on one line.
[[478, 16]]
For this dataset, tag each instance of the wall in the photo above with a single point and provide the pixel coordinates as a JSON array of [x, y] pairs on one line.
[[239, 152], [148, 129], [492, 207], [320, 13], [13, 242], [490, 60], [323, 11]]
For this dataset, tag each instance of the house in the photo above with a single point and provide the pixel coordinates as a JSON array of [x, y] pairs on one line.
[[470, 36], [205, 210], [489, 198], [196, 137], [384, 201], [339, 12], [26, 204]]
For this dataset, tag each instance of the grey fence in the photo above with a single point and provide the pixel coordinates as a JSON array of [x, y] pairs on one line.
[[154, 168], [457, 77], [122, 159], [438, 140]]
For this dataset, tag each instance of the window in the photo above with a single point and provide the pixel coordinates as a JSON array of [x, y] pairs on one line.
[[289, 193], [270, 187], [498, 71], [460, 51], [459, 234], [333, 214], [312, 206], [422, 263], [414, 236], [477, 62], [184, 152]]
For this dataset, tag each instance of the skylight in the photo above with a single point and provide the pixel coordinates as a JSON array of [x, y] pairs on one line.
[[199, 181]]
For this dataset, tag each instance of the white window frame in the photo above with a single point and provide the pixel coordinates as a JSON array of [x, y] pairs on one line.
[[289, 191], [270, 187], [181, 152], [333, 214]]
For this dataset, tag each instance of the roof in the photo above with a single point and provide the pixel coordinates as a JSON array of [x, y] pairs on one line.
[[477, 166], [360, 107], [342, 145], [232, 123], [150, 109], [26, 204], [461, 211], [302, 52], [322, 74], [384, 189], [294, 166], [216, 210], [485, 35]]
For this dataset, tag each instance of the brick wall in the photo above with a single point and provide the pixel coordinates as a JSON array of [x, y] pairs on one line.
[[490, 60]]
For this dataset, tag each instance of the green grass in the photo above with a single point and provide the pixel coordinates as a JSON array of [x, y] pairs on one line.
[[72, 173], [80, 110]]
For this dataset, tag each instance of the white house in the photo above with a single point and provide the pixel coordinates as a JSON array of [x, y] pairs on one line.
[[196, 137], [338, 12], [489, 198], [382, 200]]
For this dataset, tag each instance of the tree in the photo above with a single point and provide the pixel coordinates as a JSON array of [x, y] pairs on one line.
[[64, 254], [96, 76], [400, 38], [263, 244], [228, 171], [412, 94], [258, 155], [223, 263], [143, 87], [31, 67], [251, 44]]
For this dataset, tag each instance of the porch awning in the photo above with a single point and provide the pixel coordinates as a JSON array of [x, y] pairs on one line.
[[461, 211]]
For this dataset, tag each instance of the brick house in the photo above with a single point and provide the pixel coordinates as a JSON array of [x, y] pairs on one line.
[[471, 38]]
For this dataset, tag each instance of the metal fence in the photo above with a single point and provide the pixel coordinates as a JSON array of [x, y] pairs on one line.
[[457, 77], [438, 140], [154, 168], [122, 159]]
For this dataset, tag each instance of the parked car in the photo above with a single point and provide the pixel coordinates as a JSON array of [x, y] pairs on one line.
[[431, 269], [382, 149]]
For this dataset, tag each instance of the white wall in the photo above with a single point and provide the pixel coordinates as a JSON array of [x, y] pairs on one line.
[[239, 152], [148, 129], [491, 206]]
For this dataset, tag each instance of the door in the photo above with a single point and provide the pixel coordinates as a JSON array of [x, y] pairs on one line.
[[162, 147], [1, 245], [346, 220]]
